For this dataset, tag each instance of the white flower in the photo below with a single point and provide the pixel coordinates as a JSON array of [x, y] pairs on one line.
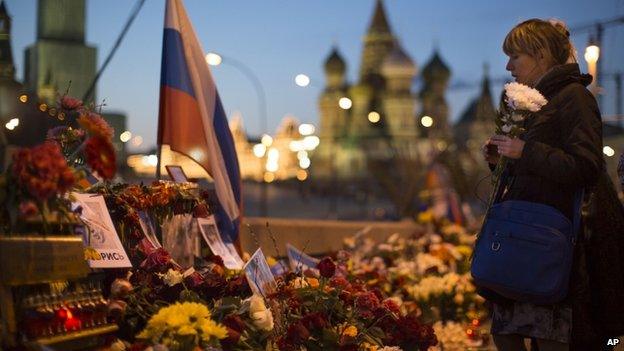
[[522, 97], [262, 316], [506, 128], [172, 277]]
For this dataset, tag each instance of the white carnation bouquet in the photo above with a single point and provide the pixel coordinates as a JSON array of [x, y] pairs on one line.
[[519, 103]]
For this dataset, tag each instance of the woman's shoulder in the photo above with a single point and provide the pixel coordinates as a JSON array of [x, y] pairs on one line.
[[575, 92]]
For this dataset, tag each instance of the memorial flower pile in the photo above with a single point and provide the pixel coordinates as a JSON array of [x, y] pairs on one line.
[[34, 188]]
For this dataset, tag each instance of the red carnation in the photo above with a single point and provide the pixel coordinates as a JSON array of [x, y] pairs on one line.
[[42, 171], [367, 301], [340, 282], [95, 125], [327, 267], [101, 157], [70, 103], [391, 306]]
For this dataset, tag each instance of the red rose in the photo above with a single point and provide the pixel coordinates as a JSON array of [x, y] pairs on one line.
[[201, 211], [234, 321], [297, 333], [158, 260], [327, 267], [314, 321], [194, 280]]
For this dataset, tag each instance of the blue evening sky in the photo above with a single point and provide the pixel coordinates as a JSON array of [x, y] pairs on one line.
[[277, 39]]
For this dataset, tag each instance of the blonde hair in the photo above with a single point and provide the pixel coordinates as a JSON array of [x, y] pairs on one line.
[[535, 36]]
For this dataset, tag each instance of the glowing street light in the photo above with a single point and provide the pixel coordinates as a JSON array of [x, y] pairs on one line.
[[345, 103], [12, 123], [592, 54], [608, 151], [302, 80], [426, 121], [306, 129], [266, 140], [374, 117], [213, 59], [125, 136], [259, 150]]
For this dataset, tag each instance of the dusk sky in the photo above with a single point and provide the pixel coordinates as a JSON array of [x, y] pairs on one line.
[[278, 39]]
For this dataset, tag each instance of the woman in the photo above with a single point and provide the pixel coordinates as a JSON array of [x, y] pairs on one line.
[[560, 153]]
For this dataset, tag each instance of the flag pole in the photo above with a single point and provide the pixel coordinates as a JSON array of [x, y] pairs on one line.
[[159, 154]]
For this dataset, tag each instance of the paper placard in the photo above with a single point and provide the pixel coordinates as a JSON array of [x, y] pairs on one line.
[[299, 260], [259, 276], [228, 253], [280, 268], [101, 236]]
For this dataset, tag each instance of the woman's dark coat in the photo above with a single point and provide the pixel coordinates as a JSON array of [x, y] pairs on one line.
[[562, 153]]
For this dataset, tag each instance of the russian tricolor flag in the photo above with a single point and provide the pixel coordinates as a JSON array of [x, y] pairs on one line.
[[191, 118]]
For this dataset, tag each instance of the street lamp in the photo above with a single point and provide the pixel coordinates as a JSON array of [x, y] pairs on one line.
[[302, 80], [345, 103], [426, 121], [374, 117], [592, 54], [215, 59]]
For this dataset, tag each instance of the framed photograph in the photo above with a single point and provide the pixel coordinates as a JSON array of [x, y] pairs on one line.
[[227, 251], [259, 275], [149, 230], [177, 174]]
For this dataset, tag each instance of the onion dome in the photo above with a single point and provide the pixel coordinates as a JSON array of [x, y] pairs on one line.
[[334, 62], [436, 68], [398, 63]]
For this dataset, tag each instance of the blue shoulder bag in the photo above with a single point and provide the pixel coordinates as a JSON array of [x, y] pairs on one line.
[[524, 251]]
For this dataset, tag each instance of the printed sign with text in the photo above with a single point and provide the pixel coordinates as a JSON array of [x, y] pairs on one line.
[[101, 235]]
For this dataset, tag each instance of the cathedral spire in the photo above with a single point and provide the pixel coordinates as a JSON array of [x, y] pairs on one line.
[[379, 23], [378, 42], [7, 68]]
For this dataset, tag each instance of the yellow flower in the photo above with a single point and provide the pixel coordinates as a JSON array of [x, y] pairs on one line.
[[211, 328], [271, 261], [425, 216], [350, 331], [187, 330], [182, 319]]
